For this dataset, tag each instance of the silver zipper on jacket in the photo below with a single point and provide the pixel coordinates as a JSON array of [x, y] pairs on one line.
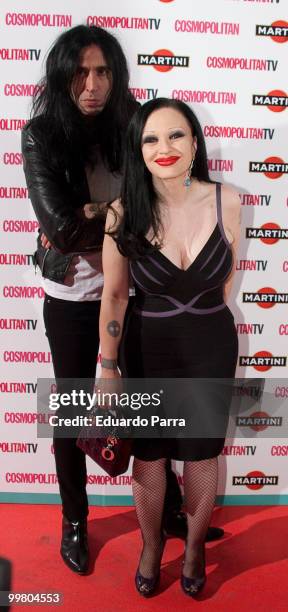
[[43, 262]]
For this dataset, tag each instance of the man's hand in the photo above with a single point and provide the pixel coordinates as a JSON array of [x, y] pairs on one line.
[[45, 242], [92, 210]]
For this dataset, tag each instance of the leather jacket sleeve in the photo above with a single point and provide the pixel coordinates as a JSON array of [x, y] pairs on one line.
[[55, 203]]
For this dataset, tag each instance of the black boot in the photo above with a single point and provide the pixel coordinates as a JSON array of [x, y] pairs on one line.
[[74, 545], [175, 525]]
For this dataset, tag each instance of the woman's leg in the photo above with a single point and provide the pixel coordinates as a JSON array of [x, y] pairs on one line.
[[149, 486], [200, 486]]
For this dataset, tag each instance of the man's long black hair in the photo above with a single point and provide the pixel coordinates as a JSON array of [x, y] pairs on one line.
[[65, 126]]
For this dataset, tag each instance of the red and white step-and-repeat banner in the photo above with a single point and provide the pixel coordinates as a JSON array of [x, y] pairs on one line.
[[228, 59]]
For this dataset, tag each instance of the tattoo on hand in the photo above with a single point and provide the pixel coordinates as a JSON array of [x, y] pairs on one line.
[[113, 328]]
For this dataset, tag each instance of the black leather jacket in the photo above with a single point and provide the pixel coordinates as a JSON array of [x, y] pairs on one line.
[[56, 194]]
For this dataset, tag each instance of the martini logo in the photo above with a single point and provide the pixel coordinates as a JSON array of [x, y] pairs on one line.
[[278, 31], [272, 167], [262, 361], [266, 297], [276, 100], [166, 1], [163, 60], [269, 233], [255, 480], [259, 421]]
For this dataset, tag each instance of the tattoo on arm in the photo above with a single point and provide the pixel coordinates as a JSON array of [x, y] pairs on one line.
[[113, 328]]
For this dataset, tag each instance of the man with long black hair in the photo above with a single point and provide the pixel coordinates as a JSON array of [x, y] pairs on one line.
[[72, 150]]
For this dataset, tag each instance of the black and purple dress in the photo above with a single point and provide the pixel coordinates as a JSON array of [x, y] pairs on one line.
[[180, 327]]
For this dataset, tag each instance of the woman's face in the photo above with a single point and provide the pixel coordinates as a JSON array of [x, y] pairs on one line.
[[167, 144]]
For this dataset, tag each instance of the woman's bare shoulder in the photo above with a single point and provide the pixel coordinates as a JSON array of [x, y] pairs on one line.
[[114, 214], [230, 198], [116, 205]]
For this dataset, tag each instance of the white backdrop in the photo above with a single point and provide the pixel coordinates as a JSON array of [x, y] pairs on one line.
[[227, 60]]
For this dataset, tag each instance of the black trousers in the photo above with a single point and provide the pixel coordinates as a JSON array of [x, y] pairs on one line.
[[72, 329]]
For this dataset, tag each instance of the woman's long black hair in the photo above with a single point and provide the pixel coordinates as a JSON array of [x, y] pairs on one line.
[[63, 121], [138, 197]]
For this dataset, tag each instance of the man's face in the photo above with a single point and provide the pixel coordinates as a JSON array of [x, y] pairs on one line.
[[92, 82]]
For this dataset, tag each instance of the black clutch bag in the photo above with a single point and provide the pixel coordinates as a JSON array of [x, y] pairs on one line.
[[103, 444]]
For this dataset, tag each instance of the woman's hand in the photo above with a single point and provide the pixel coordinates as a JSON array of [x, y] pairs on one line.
[[109, 387]]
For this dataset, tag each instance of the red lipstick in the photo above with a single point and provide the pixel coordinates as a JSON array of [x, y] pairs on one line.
[[167, 161]]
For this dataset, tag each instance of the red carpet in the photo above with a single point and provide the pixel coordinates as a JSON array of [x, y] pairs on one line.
[[247, 570]]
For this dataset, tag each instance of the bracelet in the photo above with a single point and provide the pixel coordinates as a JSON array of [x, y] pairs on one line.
[[109, 364]]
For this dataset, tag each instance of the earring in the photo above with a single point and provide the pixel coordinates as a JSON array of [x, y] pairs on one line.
[[188, 179]]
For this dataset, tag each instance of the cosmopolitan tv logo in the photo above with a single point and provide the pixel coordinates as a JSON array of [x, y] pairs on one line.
[[18, 324], [279, 450], [272, 167], [125, 23], [23, 292], [43, 20], [163, 60], [277, 31], [250, 329], [17, 387], [15, 259], [18, 447], [255, 480], [207, 27], [22, 55], [21, 89], [205, 97], [266, 297], [11, 125], [262, 361], [259, 421], [26, 418], [276, 100], [13, 193], [30, 478], [238, 450], [19, 226], [144, 93], [12, 159], [233, 131], [241, 63], [255, 199], [26, 357], [269, 233], [251, 265], [220, 165]]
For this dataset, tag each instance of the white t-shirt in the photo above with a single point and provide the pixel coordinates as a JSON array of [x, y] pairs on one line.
[[84, 278]]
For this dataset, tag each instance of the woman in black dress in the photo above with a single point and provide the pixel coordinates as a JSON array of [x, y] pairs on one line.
[[178, 231]]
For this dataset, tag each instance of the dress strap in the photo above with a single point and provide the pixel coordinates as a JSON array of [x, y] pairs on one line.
[[219, 213]]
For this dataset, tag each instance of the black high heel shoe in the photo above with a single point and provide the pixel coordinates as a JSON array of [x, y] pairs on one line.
[[148, 586], [193, 586]]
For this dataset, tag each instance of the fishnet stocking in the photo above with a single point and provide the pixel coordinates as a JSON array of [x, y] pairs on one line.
[[200, 486], [149, 486]]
